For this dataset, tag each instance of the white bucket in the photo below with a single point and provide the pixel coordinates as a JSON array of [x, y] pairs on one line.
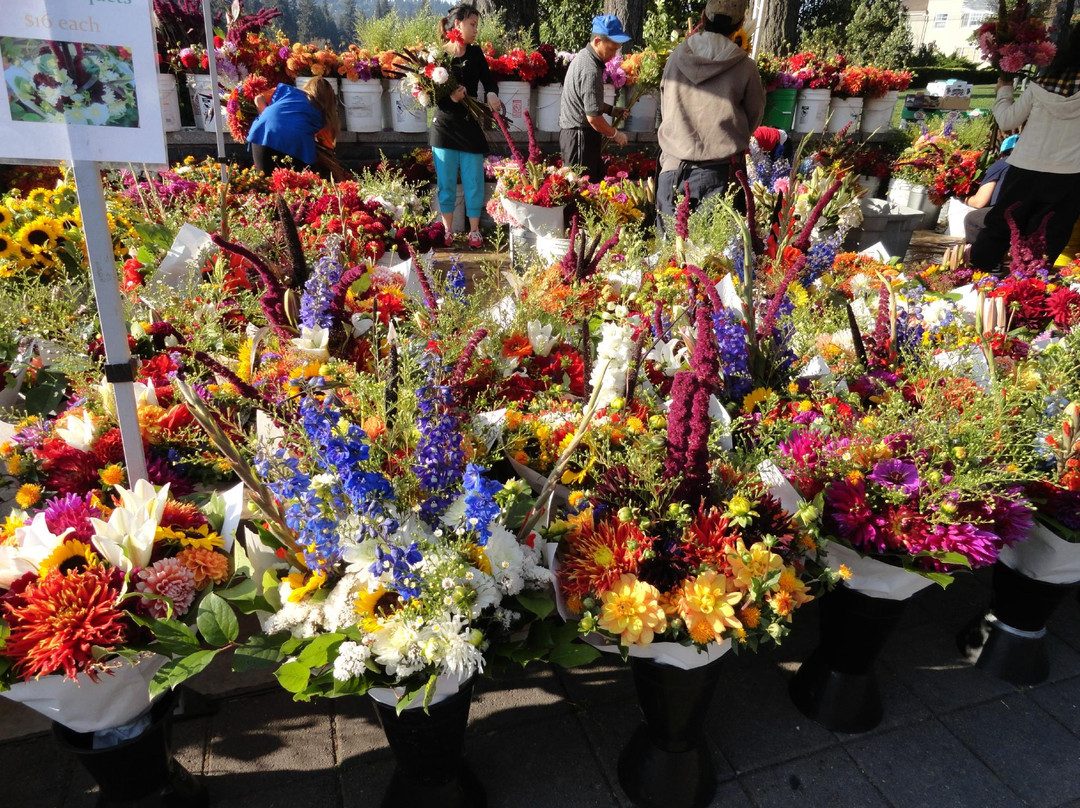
[[899, 192], [642, 117], [844, 112], [363, 105], [202, 101], [548, 102], [955, 213], [869, 184], [609, 98], [920, 198], [170, 102], [302, 82], [811, 111], [406, 114], [877, 113], [515, 97]]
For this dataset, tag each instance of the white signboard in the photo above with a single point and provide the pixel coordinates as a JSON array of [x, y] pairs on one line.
[[80, 82]]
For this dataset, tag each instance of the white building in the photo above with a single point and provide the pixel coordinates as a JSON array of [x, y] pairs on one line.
[[949, 24]]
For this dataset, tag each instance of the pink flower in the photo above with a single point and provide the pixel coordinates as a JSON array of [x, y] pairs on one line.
[[168, 578], [1011, 61]]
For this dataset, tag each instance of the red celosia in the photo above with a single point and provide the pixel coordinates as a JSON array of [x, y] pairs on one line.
[[57, 622]]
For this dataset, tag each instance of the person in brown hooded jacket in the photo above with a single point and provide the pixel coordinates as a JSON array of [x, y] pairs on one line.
[[711, 100]]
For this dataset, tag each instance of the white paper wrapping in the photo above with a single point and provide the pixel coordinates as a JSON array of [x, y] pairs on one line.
[[1044, 556], [175, 269], [445, 687], [536, 481], [872, 577], [778, 485], [539, 220], [83, 705], [970, 360], [490, 425], [878, 252], [672, 654]]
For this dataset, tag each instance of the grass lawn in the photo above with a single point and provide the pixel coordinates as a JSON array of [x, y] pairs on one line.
[[982, 97]]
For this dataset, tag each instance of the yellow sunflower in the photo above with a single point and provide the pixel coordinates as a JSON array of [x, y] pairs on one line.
[[6, 216], [8, 246], [69, 555], [40, 233], [39, 197], [742, 39]]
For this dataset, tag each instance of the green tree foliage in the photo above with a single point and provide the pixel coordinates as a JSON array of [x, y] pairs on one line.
[[662, 19], [879, 34], [567, 25]]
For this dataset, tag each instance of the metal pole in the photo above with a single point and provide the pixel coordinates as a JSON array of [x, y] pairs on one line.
[[211, 58], [118, 366]]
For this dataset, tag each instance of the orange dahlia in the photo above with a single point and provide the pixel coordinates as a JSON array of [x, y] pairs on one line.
[[58, 620], [206, 565], [597, 556]]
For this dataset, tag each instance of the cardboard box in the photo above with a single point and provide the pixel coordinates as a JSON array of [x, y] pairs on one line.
[[953, 88], [951, 102]]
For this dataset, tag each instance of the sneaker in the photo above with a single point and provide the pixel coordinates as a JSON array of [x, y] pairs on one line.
[[448, 239], [476, 241]]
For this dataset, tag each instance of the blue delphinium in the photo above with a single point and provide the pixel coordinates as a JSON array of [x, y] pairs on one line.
[[399, 562], [820, 257], [455, 279], [319, 289], [480, 504], [439, 461], [734, 359]]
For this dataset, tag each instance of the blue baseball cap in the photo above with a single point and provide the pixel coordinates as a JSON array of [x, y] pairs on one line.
[[1009, 142], [608, 25]]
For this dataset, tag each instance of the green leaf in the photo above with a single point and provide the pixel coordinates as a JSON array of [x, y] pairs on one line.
[[317, 652], [573, 654], [176, 671], [293, 676], [171, 637], [216, 621], [241, 562], [410, 697], [940, 578], [540, 605], [260, 651], [245, 591]]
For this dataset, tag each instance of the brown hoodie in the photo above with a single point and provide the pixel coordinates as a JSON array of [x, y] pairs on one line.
[[711, 100]]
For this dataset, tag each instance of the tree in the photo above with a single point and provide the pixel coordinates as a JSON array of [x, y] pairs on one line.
[[822, 23], [347, 22], [518, 14], [306, 21], [778, 27], [382, 9], [879, 34], [567, 25], [632, 15]]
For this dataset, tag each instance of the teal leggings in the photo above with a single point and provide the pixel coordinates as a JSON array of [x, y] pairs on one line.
[[447, 164]]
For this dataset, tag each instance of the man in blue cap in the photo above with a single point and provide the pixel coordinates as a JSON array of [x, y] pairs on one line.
[[582, 125], [986, 197]]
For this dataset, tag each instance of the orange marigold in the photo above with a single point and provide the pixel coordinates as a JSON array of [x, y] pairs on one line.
[[206, 565]]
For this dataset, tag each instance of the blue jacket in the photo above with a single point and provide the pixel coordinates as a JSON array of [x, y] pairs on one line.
[[288, 124]]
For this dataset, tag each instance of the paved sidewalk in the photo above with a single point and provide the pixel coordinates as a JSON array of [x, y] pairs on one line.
[[952, 735]]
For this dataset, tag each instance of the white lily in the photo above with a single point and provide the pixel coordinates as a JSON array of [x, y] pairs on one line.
[[669, 355], [33, 544], [78, 433], [127, 539], [360, 324], [313, 342], [144, 394], [540, 337]]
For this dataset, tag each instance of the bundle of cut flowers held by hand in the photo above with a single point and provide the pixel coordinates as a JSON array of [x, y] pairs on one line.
[[1015, 39], [427, 74]]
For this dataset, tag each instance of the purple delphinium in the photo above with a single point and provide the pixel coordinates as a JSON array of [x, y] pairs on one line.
[[898, 475], [318, 295]]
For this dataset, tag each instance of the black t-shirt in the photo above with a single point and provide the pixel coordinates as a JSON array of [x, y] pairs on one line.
[[453, 127]]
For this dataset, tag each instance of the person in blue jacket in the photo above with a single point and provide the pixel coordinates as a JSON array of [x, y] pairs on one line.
[[287, 126]]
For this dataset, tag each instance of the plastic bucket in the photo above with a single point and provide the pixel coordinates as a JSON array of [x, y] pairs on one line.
[[642, 117], [780, 109], [844, 112], [170, 102], [877, 113], [609, 98], [811, 111], [899, 192], [302, 82], [406, 114], [515, 97], [870, 184], [548, 102], [363, 105], [920, 199], [202, 101]]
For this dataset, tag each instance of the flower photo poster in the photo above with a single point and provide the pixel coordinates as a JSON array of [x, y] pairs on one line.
[[80, 82]]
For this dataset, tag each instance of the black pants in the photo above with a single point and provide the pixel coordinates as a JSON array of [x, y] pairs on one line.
[[1035, 195], [267, 159], [975, 223], [705, 181], [582, 147]]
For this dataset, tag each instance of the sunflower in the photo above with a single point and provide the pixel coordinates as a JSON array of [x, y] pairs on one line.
[[8, 246], [70, 555], [38, 234], [39, 197], [6, 216], [742, 39]]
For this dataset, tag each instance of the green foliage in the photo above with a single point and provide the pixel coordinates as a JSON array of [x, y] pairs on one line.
[[665, 21], [567, 25], [395, 31], [879, 34]]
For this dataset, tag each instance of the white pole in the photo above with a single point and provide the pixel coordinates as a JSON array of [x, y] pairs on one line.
[[211, 58], [118, 367], [757, 12]]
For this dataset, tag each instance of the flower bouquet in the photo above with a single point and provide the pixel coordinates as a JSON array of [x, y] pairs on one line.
[[1015, 39], [427, 75], [240, 106], [518, 65], [102, 607], [557, 62], [359, 64], [776, 73], [816, 72]]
